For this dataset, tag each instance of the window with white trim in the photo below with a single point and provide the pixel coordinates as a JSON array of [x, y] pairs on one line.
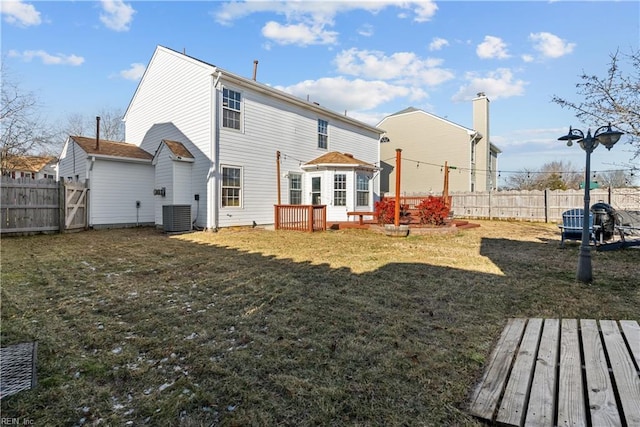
[[340, 189], [295, 189], [323, 133], [231, 186], [231, 108], [362, 190]]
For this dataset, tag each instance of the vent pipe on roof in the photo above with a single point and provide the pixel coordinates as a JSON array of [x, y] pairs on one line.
[[255, 69], [97, 133]]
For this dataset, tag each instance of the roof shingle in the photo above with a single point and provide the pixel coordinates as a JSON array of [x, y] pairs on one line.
[[111, 148]]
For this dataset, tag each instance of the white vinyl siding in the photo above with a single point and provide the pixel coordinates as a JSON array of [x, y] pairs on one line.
[[116, 186], [176, 100]]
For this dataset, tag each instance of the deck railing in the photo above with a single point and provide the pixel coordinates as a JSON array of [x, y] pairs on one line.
[[301, 217]]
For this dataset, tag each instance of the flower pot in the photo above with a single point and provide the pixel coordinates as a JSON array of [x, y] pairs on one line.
[[399, 231]]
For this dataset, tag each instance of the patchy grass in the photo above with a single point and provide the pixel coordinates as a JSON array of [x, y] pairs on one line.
[[254, 327]]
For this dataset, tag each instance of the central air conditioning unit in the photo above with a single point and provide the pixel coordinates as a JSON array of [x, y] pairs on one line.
[[176, 218]]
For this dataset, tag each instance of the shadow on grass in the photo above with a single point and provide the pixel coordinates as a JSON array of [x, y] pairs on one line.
[[136, 327]]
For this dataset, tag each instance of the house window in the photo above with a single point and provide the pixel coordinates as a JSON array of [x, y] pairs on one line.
[[231, 186], [362, 190], [323, 133], [340, 189], [231, 101], [295, 189], [316, 198], [473, 151]]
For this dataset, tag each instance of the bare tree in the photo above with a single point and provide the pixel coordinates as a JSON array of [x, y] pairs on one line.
[[613, 98], [553, 176], [615, 178], [23, 130], [111, 125]]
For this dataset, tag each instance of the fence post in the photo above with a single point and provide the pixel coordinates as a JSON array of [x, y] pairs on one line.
[[62, 205], [310, 218], [546, 205]]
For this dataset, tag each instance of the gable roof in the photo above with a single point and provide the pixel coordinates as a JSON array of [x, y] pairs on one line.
[[178, 149], [108, 148], [250, 83], [28, 163], [335, 158], [413, 110]]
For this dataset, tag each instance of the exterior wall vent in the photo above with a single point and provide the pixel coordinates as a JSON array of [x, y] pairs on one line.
[[176, 218]]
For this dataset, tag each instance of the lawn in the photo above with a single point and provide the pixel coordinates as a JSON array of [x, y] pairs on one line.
[[256, 327]]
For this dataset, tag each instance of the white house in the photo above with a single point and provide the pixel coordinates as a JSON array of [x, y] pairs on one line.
[[219, 139], [119, 177], [33, 167]]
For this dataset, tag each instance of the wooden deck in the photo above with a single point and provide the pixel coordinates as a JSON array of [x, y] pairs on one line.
[[550, 372]]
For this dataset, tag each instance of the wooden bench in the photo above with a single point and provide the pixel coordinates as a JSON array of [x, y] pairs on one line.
[[362, 215], [572, 224]]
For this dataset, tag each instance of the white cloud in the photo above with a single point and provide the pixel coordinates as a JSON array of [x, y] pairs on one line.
[[496, 84], [339, 93], [491, 48], [438, 43], [527, 58], [366, 30], [313, 17], [300, 34], [47, 58], [402, 66], [19, 13], [550, 45], [135, 72], [117, 15]]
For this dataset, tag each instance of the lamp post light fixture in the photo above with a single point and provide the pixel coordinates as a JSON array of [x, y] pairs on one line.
[[607, 137]]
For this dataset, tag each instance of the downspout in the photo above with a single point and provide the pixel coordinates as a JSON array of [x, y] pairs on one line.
[[214, 150]]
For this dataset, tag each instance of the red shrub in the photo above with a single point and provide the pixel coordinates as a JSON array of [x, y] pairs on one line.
[[386, 210], [433, 211]]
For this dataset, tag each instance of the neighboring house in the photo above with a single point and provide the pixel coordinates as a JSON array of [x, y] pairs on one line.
[[119, 177], [217, 138], [428, 142], [33, 167]]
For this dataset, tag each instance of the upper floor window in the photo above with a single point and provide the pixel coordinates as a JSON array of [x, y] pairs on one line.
[[231, 101], [340, 189], [231, 186], [323, 133], [362, 190]]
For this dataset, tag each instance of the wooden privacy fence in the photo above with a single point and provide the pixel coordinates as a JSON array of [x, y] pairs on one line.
[[301, 217], [545, 206], [40, 206]]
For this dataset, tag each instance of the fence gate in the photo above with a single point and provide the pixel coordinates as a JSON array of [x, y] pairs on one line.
[[74, 205]]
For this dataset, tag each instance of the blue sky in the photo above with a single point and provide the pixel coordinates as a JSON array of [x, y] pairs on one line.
[[370, 58]]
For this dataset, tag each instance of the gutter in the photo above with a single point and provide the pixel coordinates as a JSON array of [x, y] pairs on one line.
[[213, 215]]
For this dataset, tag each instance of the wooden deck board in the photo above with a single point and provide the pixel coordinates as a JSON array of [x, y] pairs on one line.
[[543, 388], [571, 406], [486, 396], [602, 401], [514, 402], [569, 372]]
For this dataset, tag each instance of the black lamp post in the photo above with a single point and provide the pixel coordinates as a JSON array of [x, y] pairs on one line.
[[607, 137]]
